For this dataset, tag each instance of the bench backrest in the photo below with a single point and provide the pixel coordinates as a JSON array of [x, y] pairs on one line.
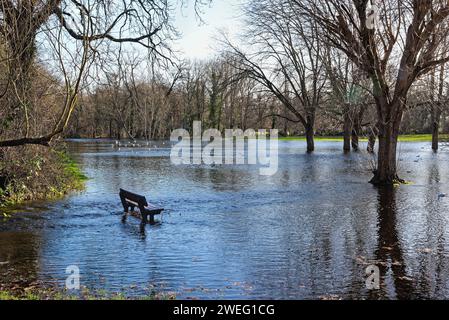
[[140, 200]]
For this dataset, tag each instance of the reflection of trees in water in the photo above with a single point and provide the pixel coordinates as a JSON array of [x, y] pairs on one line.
[[432, 267], [362, 219], [19, 257], [389, 254], [312, 169]]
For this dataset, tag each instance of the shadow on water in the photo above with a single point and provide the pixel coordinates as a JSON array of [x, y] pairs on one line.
[[412, 246], [19, 259], [139, 231], [389, 255]]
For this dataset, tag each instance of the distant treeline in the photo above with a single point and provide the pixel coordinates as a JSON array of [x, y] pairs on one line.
[[218, 94]]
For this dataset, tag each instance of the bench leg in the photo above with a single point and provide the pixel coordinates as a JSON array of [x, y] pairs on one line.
[[144, 218]]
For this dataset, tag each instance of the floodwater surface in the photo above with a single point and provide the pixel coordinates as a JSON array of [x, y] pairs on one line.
[[308, 232]]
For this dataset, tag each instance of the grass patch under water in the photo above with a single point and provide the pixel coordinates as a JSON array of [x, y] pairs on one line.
[[72, 170]]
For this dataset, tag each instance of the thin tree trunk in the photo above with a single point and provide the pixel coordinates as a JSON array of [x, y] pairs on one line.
[[355, 140], [371, 143], [372, 139], [356, 130], [437, 110], [347, 128], [119, 131], [436, 116]]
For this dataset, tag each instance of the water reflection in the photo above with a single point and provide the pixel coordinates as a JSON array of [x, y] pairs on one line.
[[307, 232], [19, 259], [389, 255]]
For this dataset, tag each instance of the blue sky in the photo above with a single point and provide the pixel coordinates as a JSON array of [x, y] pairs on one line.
[[197, 40]]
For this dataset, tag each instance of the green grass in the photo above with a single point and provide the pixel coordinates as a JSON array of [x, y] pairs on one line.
[[45, 176], [316, 138], [402, 138], [419, 138], [71, 168], [7, 296]]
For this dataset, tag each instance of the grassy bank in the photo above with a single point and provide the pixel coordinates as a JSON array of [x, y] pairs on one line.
[[37, 173], [402, 138]]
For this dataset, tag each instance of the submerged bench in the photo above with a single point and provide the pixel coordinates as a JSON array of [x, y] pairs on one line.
[[132, 201]]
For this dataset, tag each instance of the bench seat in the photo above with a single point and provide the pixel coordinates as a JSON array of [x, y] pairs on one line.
[[131, 201]]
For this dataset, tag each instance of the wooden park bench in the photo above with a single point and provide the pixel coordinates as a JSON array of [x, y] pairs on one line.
[[132, 201]]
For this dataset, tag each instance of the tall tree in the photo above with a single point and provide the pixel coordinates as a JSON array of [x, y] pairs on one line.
[[438, 100], [23, 23], [284, 56], [414, 30], [347, 96]]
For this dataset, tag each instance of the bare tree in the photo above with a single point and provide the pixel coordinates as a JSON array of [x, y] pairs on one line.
[[409, 35], [437, 102], [146, 23], [347, 101], [285, 59], [19, 29]]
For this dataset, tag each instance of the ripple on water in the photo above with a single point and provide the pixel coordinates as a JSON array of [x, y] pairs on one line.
[[307, 232]]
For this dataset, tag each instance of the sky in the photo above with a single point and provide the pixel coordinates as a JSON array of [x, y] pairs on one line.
[[197, 40]]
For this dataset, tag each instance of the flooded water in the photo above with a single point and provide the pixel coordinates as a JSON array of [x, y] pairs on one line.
[[308, 232]]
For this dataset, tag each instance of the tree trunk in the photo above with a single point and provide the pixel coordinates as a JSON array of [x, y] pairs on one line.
[[20, 71], [437, 110], [436, 116], [386, 172], [371, 143], [355, 140], [356, 129], [310, 138], [347, 127], [372, 140], [19, 42]]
